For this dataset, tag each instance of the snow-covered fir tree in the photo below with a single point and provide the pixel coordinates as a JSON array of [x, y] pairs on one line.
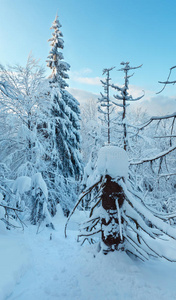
[[119, 219], [39, 211], [55, 59], [66, 158]]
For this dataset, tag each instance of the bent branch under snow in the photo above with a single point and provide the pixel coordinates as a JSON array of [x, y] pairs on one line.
[[160, 155]]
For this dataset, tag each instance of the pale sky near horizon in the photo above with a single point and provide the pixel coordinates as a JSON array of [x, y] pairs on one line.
[[97, 34]]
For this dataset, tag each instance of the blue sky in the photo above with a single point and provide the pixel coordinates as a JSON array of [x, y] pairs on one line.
[[97, 34]]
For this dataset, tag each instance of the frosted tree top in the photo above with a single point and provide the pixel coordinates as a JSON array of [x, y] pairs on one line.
[[55, 57], [112, 161]]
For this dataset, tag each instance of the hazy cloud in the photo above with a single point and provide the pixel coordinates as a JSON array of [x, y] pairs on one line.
[[159, 105], [82, 96], [86, 71], [80, 72], [82, 76], [153, 105], [88, 80]]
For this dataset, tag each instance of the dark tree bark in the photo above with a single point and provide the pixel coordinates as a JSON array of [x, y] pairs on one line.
[[111, 196]]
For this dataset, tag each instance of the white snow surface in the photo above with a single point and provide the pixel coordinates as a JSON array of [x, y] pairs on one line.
[[14, 260], [112, 161], [35, 267], [37, 181], [21, 185]]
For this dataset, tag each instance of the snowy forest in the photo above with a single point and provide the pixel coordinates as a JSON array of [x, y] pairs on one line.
[[96, 179]]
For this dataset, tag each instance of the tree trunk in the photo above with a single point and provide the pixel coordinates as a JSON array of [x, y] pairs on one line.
[[110, 226]]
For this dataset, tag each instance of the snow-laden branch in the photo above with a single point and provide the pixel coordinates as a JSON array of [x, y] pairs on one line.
[[127, 67], [157, 118], [167, 175], [87, 191], [9, 207], [164, 136], [6, 217], [152, 158], [167, 80]]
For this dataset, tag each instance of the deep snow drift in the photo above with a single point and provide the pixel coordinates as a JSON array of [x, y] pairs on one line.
[[45, 269]]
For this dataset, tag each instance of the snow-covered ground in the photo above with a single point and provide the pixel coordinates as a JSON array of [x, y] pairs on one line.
[[35, 267]]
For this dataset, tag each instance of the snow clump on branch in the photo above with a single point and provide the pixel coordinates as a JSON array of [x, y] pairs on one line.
[[112, 161]]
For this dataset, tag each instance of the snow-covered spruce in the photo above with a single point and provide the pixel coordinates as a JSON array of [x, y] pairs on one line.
[[30, 202], [120, 215], [66, 166], [65, 110], [39, 211], [55, 58]]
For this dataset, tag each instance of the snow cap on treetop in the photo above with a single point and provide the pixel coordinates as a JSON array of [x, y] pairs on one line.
[[56, 23], [112, 161]]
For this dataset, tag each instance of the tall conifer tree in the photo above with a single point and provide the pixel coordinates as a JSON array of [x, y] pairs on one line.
[[66, 115]]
